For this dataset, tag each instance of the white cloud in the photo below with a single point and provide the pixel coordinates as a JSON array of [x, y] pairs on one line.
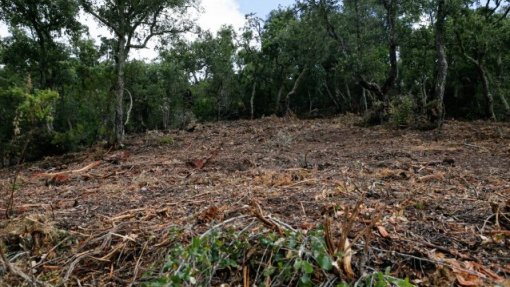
[[220, 12]]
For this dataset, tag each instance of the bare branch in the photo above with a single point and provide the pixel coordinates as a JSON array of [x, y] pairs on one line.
[[88, 8]]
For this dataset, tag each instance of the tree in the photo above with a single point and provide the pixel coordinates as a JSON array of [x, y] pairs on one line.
[[477, 33], [392, 9], [437, 111], [46, 20], [250, 58], [133, 24]]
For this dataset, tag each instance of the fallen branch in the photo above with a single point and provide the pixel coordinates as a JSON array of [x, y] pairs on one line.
[[12, 269], [257, 211], [137, 267], [60, 177]]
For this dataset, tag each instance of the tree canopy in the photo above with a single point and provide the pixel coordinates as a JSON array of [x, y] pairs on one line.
[[406, 63]]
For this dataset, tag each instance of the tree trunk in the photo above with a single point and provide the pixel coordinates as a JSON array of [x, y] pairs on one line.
[[484, 77], [497, 84], [506, 106], [437, 114], [333, 98], [486, 91], [119, 92], [310, 104], [349, 96], [252, 100], [294, 89], [43, 56], [166, 113], [391, 12], [364, 99], [423, 96], [279, 99]]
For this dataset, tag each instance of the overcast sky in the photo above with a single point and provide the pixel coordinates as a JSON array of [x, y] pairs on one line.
[[216, 13]]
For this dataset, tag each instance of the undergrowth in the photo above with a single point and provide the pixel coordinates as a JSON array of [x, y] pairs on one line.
[[262, 259]]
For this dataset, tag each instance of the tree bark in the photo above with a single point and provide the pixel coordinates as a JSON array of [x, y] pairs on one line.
[[423, 97], [279, 99], [364, 99], [506, 106], [348, 93], [484, 77], [310, 103], [333, 98], [294, 89], [252, 100], [486, 91], [497, 84], [119, 91], [391, 19], [437, 114]]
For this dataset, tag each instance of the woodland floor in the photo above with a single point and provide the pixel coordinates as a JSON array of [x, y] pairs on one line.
[[443, 197]]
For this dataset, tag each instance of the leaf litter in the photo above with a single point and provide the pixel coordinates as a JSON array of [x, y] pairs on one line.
[[433, 206]]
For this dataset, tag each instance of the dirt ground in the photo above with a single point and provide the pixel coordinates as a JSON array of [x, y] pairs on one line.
[[443, 197]]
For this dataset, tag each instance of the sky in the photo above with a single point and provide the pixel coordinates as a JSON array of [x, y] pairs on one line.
[[261, 7], [215, 14]]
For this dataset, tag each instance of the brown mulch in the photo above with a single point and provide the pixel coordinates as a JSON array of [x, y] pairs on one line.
[[103, 218]]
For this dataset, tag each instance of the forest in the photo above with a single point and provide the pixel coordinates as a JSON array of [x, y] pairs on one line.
[[331, 143]]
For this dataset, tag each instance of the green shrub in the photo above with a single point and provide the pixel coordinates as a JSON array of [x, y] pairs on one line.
[[166, 140], [289, 259], [402, 111], [26, 117]]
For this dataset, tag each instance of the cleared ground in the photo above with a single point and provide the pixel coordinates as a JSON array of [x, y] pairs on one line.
[[102, 217]]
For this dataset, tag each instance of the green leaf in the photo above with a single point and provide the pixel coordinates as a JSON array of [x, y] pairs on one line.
[[325, 262], [307, 267], [269, 271], [404, 283], [305, 280]]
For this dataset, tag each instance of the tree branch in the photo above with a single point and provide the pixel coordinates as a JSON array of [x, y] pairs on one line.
[[87, 7]]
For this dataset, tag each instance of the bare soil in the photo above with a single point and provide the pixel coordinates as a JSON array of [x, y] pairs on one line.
[[443, 197]]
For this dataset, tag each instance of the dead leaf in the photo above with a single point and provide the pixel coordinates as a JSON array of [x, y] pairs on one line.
[[486, 271], [198, 163], [306, 225], [432, 177], [382, 231], [58, 179], [210, 214], [471, 280]]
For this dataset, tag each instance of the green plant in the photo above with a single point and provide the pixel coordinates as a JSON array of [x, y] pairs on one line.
[[36, 109], [269, 258], [402, 111], [382, 279], [166, 140], [201, 260]]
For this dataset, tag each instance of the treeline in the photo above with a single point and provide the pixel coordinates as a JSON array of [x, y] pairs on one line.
[[410, 63]]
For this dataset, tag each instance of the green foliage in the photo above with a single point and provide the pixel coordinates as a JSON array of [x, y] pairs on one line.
[[10, 100], [28, 116], [166, 140], [383, 279], [231, 74], [199, 261], [292, 259], [36, 109], [402, 111], [46, 20]]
